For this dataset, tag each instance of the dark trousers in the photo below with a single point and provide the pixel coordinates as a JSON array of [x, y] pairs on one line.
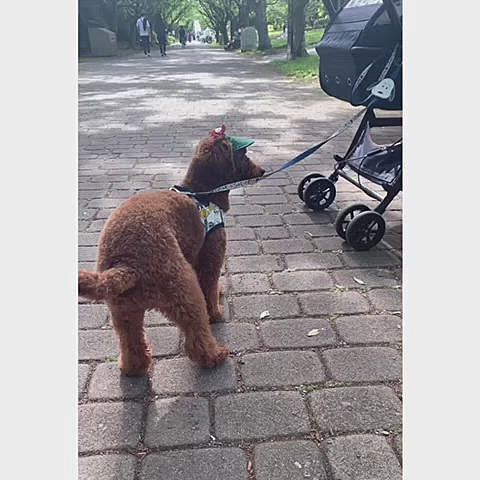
[[145, 40], [163, 47]]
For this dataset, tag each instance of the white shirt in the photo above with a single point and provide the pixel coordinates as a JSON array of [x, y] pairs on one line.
[[141, 31]]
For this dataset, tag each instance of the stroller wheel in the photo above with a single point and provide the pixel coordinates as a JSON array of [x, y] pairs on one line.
[[346, 216], [305, 181], [320, 194], [365, 230]]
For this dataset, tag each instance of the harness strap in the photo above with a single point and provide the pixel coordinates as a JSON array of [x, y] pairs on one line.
[[211, 215]]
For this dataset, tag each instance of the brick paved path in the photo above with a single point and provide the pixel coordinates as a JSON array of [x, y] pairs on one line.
[[285, 406]]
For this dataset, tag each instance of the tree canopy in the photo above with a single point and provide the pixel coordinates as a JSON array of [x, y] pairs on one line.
[[223, 16]]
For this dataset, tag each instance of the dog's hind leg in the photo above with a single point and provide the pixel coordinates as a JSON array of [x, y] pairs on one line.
[[135, 356], [183, 302], [208, 267]]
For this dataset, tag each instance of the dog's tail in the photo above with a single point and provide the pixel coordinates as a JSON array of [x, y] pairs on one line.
[[112, 282]]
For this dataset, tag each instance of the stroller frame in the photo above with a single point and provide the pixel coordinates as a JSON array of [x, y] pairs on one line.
[[393, 189], [360, 226]]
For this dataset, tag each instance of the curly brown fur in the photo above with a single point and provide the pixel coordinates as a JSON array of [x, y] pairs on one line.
[[153, 254]]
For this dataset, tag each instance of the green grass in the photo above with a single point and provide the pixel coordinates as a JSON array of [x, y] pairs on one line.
[[312, 38], [305, 68]]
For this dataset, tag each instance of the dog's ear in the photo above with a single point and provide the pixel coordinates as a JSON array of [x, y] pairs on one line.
[[212, 164], [223, 158]]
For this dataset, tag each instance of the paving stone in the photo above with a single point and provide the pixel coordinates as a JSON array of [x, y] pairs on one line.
[[108, 382], [83, 372], [250, 307], [107, 467], [364, 364], [236, 336], [291, 245], [371, 258], [313, 231], [259, 220], [87, 254], [270, 199], [242, 247], [280, 208], [335, 244], [293, 333], [259, 415], [371, 278], [301, 281], [96, 225], [240, 209], [262, 263], [206, 463], [97, 345], [105, 426], [340, 410], [397, 443], [163, 340], [92, 316], [291, 460], [249, 283], [180, 375], [272, 233], [321, 303], [362, 457], [281, 368], [177, 421], [105, 202], [240, 233], [154, 318], [313, 261], [88, 239], [370, 328], [311, 218], [386, 299], [104, 213], [262, 190]]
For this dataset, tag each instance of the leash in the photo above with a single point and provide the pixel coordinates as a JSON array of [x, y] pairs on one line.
[[383, 89], [285, 166]]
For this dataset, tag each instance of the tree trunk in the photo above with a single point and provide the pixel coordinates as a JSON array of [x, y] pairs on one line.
[[224, 34], [296, 29], [261, 25], [243, 15]]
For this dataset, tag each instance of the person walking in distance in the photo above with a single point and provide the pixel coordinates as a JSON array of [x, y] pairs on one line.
[[182, 36], [162, 36], [144, 29]]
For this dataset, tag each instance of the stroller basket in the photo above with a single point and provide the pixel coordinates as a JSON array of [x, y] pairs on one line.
[[382, 166], [359, 41]]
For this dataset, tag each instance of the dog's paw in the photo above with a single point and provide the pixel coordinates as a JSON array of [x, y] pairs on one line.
[[211, 359], [135, 367]]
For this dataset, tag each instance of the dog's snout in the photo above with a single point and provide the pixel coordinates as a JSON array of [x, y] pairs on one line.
[[261, 171]]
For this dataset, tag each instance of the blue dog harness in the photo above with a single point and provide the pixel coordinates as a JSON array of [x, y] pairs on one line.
[[210, 214]]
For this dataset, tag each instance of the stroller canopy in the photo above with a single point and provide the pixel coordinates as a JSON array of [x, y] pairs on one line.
[[362, 33]]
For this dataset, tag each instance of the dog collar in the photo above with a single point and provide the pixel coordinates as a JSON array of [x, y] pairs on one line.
[[211, 215]]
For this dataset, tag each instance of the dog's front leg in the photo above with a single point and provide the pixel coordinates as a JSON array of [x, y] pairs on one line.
[[208, 268]]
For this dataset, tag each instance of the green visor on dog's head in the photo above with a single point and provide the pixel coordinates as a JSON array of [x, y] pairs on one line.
[[239, 142]]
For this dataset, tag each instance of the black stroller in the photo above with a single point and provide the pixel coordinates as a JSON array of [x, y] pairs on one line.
[[361, 45]]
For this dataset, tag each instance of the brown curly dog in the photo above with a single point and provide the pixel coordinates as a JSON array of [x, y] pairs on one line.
[[154, 253]]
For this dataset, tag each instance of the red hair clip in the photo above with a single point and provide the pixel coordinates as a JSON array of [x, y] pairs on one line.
[[218, 132]]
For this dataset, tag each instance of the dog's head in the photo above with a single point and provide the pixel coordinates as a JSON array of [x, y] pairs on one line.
[[216, 163]]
